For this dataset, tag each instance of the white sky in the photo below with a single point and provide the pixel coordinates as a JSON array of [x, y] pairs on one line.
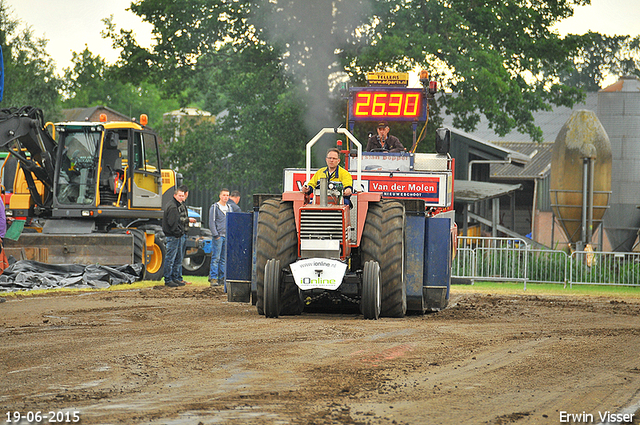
[[69, 25]]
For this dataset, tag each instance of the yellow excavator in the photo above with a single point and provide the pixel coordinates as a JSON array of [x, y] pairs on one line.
[[88, 192]]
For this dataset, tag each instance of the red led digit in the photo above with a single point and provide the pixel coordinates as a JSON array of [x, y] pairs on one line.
[[379, 104], [363, 102], [395, 104], [412, 105]]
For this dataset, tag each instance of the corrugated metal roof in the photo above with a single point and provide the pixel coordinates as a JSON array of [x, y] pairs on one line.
[[473, 191], [537, 167], [550, 122]]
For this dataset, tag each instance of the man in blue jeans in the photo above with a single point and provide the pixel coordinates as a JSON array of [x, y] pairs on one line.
[[173, 228], [218, 226]]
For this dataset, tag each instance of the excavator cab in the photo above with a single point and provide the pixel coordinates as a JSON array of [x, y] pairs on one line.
[[110, 165], [77, 175]]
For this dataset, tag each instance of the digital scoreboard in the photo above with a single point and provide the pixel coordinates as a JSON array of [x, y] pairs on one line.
[[387, 103]]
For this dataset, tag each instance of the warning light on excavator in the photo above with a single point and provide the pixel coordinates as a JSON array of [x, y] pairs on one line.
[[103, 117], [144, 119]]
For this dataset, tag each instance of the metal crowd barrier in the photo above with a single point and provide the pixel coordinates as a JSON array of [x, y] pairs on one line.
[[605, 268], [508, 259]]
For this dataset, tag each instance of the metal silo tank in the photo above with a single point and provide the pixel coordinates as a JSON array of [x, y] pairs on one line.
[[581, 159], [619, 112]]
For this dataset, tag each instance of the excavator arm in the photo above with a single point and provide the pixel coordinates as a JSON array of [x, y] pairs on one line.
[[21, 132]]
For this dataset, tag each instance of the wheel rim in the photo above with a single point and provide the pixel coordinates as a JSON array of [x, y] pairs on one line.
[[155, 262], [193, 263]]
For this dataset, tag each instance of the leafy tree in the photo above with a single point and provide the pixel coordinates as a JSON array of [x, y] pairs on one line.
[[29, 71], [256, 135], [92, 82], [85, 83], [267, 67], [599, 56], [500, 59]]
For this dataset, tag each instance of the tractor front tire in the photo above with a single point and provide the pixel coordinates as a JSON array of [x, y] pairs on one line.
[[370, 301], [272, 279], [370, 243]]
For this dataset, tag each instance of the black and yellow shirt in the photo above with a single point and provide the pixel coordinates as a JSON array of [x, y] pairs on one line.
[[339, 175]]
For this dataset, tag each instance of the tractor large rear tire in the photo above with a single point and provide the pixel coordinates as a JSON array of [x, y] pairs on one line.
[[290, 301], [266, 244], [370, 302], [272, 280], [394, 291]]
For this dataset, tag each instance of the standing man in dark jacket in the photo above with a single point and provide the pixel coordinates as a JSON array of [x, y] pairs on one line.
[[173, 227], [185, 219]]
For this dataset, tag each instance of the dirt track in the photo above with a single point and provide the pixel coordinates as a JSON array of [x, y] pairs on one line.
[[186, 356]]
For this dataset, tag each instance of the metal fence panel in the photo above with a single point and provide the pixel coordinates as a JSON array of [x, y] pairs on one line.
[[492, 258], [508, 259], [502, 263], [463, 263], [547, 266], [511, 259], [605, 268]]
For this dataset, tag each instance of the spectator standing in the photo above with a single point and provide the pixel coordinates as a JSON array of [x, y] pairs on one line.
[[234, 201], [218, 226], [173, 228], [185, 220]]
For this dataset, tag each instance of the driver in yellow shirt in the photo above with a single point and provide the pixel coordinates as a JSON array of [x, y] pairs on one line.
[[333, 172]]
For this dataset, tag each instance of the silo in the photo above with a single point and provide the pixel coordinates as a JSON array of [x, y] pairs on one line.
[[619, 113], [580, 175]]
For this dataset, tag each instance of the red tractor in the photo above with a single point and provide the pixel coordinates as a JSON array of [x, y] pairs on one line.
[[374, 254], [387, 253]]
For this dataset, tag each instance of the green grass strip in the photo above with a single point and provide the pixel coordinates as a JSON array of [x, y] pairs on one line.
[[506, 288], [549, 289]]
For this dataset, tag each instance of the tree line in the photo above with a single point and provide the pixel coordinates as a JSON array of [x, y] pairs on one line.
[[273, 72]]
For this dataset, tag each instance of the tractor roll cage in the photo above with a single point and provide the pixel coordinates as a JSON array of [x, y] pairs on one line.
[[351, 137]]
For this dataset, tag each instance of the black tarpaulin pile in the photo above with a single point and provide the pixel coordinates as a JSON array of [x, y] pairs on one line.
[[30, 275]]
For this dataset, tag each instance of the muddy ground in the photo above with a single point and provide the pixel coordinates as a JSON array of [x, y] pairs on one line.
[[187, 356]]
